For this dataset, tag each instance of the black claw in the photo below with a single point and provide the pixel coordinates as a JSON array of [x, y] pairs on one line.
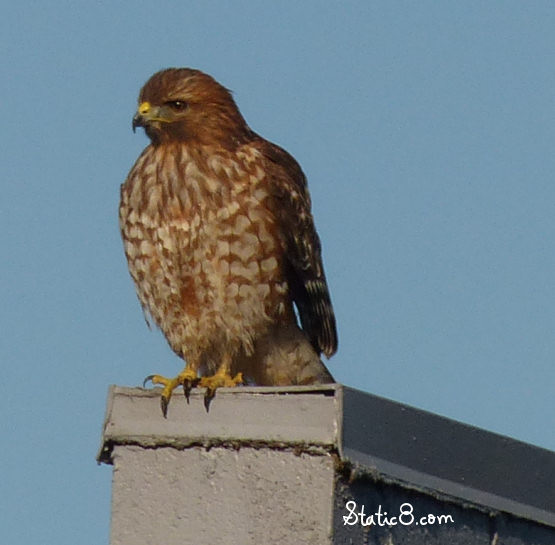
[[187, 387], [150, 377], [208, 397], [164, 406]]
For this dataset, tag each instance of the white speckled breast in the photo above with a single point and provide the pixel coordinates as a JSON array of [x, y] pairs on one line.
[[203, 249]]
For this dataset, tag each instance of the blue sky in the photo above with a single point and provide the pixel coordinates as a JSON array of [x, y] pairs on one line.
[[426, 130]]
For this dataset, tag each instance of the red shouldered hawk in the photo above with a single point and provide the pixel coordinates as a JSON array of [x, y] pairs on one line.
[[220, 242]]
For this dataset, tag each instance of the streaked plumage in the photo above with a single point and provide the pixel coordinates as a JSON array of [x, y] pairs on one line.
[[220, 240]]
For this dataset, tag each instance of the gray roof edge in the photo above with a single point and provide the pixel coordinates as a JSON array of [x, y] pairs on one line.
[[434, 452], [448, 490]]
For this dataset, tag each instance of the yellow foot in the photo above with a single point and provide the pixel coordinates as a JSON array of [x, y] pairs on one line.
[[219, 380], [187, 378]]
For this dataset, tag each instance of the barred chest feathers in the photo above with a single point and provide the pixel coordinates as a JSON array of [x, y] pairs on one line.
[[203, 247]]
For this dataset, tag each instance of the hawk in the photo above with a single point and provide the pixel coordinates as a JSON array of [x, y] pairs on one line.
[[221, 244]]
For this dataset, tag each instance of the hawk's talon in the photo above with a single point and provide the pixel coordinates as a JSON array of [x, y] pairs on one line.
[[208, 397], [187, 378], [188, 385], [222, 379], [164, 402]]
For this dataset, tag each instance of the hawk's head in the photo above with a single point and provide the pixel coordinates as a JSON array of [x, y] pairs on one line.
[[182, 104]]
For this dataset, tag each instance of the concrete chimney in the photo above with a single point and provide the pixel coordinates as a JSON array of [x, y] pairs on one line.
[[316, 465]]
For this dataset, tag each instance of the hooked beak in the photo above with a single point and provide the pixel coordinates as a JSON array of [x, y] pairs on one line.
[[143, 115], [137, 122]]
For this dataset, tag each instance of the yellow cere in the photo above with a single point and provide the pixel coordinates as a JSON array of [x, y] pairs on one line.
[[144, 108]]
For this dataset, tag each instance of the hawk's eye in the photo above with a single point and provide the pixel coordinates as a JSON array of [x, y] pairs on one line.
[[177, 105]]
